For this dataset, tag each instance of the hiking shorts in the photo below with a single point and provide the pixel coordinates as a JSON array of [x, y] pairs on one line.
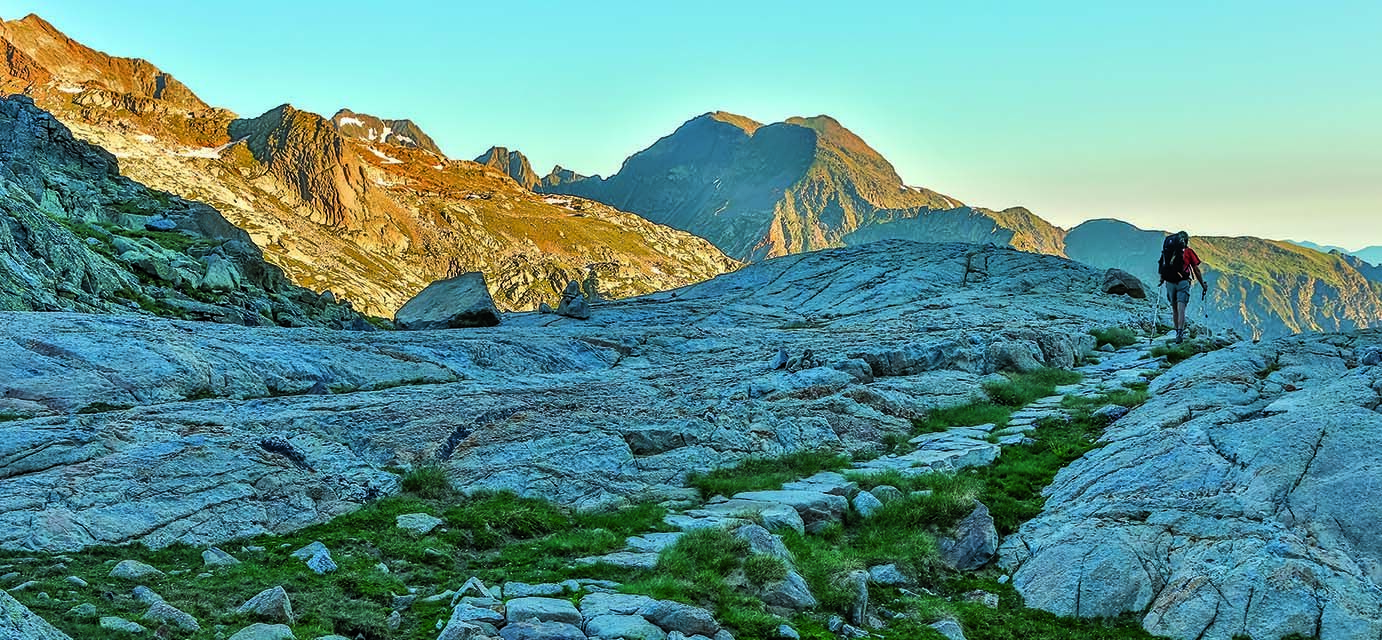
[[1178, 291]]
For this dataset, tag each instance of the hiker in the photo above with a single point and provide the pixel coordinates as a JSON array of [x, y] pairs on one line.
[[1178, 267]]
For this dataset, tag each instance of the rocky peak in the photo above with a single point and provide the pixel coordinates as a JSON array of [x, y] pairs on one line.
[[79, 66], [404, 133], [513, 163], [560, 175]]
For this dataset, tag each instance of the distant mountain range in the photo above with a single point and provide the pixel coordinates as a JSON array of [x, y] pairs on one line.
[[370, 208], [758, 191], [366, 207], [1371, 255]]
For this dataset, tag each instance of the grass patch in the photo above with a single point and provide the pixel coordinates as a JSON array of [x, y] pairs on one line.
[[756, 474], [1013, 621], [1176, 353], [1118, 337], [1005, 397], [428, 482]]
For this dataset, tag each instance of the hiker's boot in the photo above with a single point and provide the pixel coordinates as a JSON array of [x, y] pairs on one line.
[[1180, 336]]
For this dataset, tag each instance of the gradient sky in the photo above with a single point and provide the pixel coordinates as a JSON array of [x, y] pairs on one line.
[[1230, 117]]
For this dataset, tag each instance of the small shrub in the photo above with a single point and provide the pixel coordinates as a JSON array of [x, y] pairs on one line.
[[1179, 352], [1022, 388], [1119, 337], [967, 415], [429, 482]]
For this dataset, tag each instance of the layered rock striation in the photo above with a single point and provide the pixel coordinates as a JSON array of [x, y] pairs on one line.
[[1237, 502], [208, 432]]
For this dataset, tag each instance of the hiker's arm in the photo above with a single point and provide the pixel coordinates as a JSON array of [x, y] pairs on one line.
[[1200, 276]]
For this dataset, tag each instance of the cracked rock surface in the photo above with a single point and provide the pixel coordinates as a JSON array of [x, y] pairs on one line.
[[1240, 499], [122, 429]]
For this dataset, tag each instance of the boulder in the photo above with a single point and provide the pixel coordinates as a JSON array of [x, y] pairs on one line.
[[573, 303], [602, 604], [867, 504], [525, 590], [214, 557], [221, 274], [817, 510], [112, 623], [886, 493], [541, 631], [763, 542], [418, 524], [950, 629], [543, 609], [134, 570], [454, 303], [683, 618], [627, 627], [887, 575], [1121, 283], [17, 622], [973, 541], [165, 613], [459, 629], [271, 605], [791, 592], [261, 631], [469, 613], [317, 557], [858, 583]]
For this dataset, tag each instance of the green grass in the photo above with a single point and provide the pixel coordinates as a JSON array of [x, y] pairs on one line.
[[1176, 353], [755, 474], [428, 482], [1005, 397], [1119, 337]]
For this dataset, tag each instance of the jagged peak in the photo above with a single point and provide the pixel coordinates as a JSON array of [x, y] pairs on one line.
[[511, 162], [402, 132], [749, 125]]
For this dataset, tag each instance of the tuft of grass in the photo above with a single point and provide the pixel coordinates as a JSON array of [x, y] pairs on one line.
[[1179, 352], [762, 569], [755, 474], [1119, 337], [1005, 396], [962, 416], [428, 481]]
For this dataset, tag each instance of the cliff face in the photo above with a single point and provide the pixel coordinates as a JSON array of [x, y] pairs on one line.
[[513, 163], [1261, 288], [75, 235], [364, 207], [808, 183]]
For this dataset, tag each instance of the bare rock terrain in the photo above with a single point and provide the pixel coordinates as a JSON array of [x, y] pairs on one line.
[[1239, 501], [137, 429]]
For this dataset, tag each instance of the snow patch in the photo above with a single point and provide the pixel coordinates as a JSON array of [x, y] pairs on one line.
[[438, 167], [349, 120], [145, 138], [67, 89], [209, 153], [561, 201], [382, 156], [406, 139]]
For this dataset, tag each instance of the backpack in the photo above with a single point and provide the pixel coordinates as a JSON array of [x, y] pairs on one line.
[[1171, 267]]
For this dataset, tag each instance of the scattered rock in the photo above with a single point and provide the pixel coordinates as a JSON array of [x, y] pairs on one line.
[[418, 524], [271, 605], [858, 582], [779, 361], [318, 558], [470, 613], [168, 614], [214, 557], [525, 590], [950, 629], [973, 542], [74, 580], [628, 627], [787, 632], [261, 631], [817, 510], [454, 303], [867, 504], [474, 585], [83, 610], [541, 631], [985, 598], [886, 493], [543, 609], [675, 616], [573, 302], [160, 224], [458, 629], [1370, 357], [133, 570], [394, 621], [791, 592], [112, 623], [807, 360], [888, 575], [763, 542], [601, 604], [1121, 283]]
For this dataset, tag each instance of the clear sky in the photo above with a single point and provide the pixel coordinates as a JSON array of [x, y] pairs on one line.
[[1226, 117]]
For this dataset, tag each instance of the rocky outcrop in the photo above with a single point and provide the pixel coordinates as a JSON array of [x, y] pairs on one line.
[[404, 133], [75, 235], [759, 191], [454, 303], [209, 432], [1235, 502], [1120, 282], [360, 206], [512, 163], [17, 622]]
